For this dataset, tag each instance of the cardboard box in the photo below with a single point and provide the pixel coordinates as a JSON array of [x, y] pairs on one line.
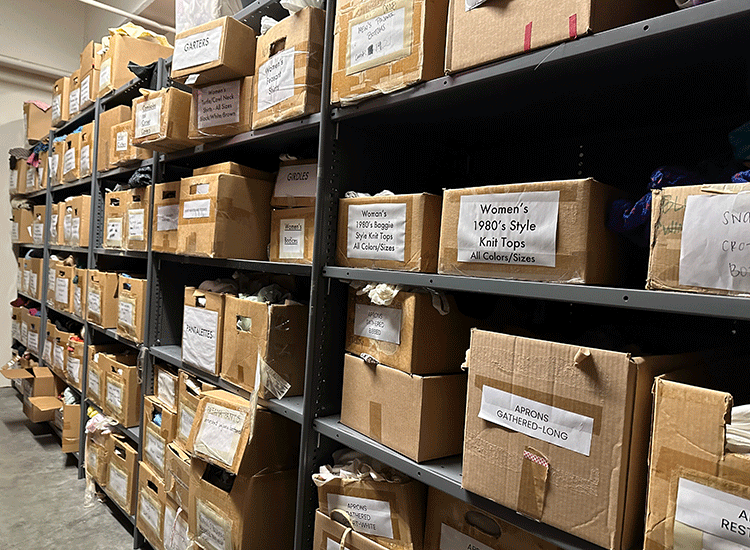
[[71, 427], [496, 29], [15, 325], [394, 232], [160, 120], [575, 418], [136, 212], [101, 302], [376, 399], [43, 170], [71, 157], [30, 184], [88, 90], [365, 65], [219, 50], [113, 69], [452, 523], [115, 223], [562, 238], [96, 376], [269, 336], [49, 342], [74, 94], [58, 149], [78, 292], [694, 240], [221, 110], [187, 403], [57, 223], [122, 391], [175, 534], [97, 458], [215, 208], [24, 326], [90, 58], [121, 149], [330, 534], [177, 476], [60, 111], [59, 352], [86, 154], [131, 307], [233, 168], [32, 277], [292, 235], [74, 355], [13, 181], [107, 119], [76, 221], [34, 334], [401, 503], [37, 226], [296, 184], [21, 228], [36, 121], [121, 472], [63, 279], [165, 387], [157, 437], [288, 68], [203, 329], [166, 217], [151, 501]]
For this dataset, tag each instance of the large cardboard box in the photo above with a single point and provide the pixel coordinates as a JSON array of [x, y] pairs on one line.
[[101, 299], [330, 534], [560, 433], [203, 329], [78, 292], [32, 277], [165, 387], [296, 184], [267, 336], [71, 157], [121, 149], [292, 235], [151, 501], [496, 29], [177, 475], [288, 68], [60, 110], [113, 69], [219, 50], [175, 534], [160, 120], [136, 214], [115, 222], [21, 228], [86, 153], [221, 110], [121, 473], [418, 416], [157, 436], [547, 231], [215, 208], [698, 236], [63, 280], [74, 355], [88, 92], [409, 47], [90, 58], [166, 217], [76, 221], [122, 389], [37, 121], [189, 390], [97, 458], [107, 119], [74, 94]]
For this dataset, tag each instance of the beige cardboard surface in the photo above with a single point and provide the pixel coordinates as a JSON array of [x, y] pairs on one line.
[[187, 404], [152, 499], [90, 59], [86, 152], [101, 298], [21, 231], [60, 91], [233, 168], [113, 69], [38, 122], [121, 473], [221, 110], [167, 131], [136, 218], [122, 391], [131, 304], [122, 152], [327, 530], [74, 355], [97, 458], [79, 292], [71, 416], [177, 476], [166, 217], [115, 219], [292, 235], [107, 119]]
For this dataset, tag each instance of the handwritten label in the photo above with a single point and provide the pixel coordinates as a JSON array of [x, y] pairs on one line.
[[187, 415], [200, 329], [33, 341], [371, 517], [51, 279], [13, 180], [379, 39], [219, 433], [376, 231], [62, 291], [167, 217], [75, 231], [113, 395], [68, 227], [33, 284], [46, 353], [121, 143], [175, 535], [30, 178], [292, 238], [69, 161], [378, 323], [86, 90], [14, 232], [54, 164], [15, 332], [77, 305], [197, 49], [105, 74], [276, 79], [94, 301], [126, 313], [450, 539], [85, 159], [218, 104], [150, 513], [114, 232], [136, 219], [148, 117], [155, 450], [25, 283], [59, 356], [196, 209], [56, 114], [38, 233], [53, 228], [213, 530], [74, 98], [94, 383], [118, 483], [74, 369], [25, 334]]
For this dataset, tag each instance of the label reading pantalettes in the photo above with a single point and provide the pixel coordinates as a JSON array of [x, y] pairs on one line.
[[56, 114], [136, 219], [121, 143], [297, 180], [94, 383], [167, 217], [199, 338], [155, 449], [62, 290], [126, 313], [187, 416], [196, 209], [378, 323], [563, 428], [292, 238], [197, 49], [276, 79], [74, 369], [69, 161], [376, 231], [114, 232], [118, 482], [213, 530], [378, 39], [149, 512], [86, 159], [371, 517], [148, 117], [219, 433], [218, 104], [105, 73], [73, 101], [114, 396], [94, 301], [509, 228], [450, 539], [85, 90]]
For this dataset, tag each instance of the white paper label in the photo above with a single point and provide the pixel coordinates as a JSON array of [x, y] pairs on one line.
[[276, 80], [25, 283], [186, 421], [175, 535], [13, 180], [94, 383], [509, 228], [126, 313], [715, 249], [59, 356], [56, 114], [218, 104], [292, 238], [562, 428], [46, 354], [167, 217], [114, 396], [33, 341], [118, 482], [94, 302], [54, 163], [197, 49], [379, 37], [105, 72], [74, 369], [14, 231], [150, 513], [148, 118], [155, 450], [53, 228], [38, 233], [69, 161], [52, 278], [20, 286], [121, 144], [62, 291], [73, 100], [199, 338], [135, 224], [378, 323], [75, 231], [85, 159], [67, 227], [33, 284], [165, 388], [196, 209], [85, 90], [219, 433], [371, 517], [213, 530], [376, 231], [114, 232], [15, 331], [296, 181], [450, 539], [30, 178], [25, 334]]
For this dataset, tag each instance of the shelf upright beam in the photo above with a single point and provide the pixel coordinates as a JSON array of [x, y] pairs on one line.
[[45, 257]]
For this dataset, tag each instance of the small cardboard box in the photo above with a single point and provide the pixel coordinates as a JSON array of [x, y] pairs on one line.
[[96, 377], [115, 223], [76, 221], [262, 334], [296, 184], [288, 68], [101, 299], [37, 122], [113, 69], [698, 239], [187, 403], [122, 390], [160, 120], [74, 94], [496, 29], [97, 458], [59, 352], [176, 526], [410, 335], [131, 307], [74, 362], [329, 534], [401, 505], [202, 329], [107, 119], [547, 231], [34, 334], [121, 149], [177, 476], [58, 148], [121, 472], [32, 277], [292, 235], [71, 427], [366, 64], [569, 420], [215, 208], [166, 217], [136, 213], [22, 225], [221, 110], [78, 292], [41, 409], [376, 399], [71, 157], [165, 387], [88, 92], [86, 154], [60, 111], [90, 58], [219, 50], [151, 501], [63, 280], [157, 436], [394, 232], [31, 181]]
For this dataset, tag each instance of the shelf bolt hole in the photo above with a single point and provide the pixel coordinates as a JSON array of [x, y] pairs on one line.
[[645, 27], [625, 298]]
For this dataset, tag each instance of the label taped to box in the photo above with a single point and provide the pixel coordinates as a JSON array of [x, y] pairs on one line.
[[218, 104], [149, 512], [94, 301], [165, 388], [148, 117], [73, 101], [86, 159], [276, 79], [154, 447], [379, 37], [94, 383], [126, 312], [214, 528], [114, 232], [187, 415], [85, 90], [121, 142], [200, 338], [56, 114], [62, 290], [175, 535], [115, 390], [33, 341], [69, 161], [369, 516], [105, 73], [219, 433], [197, 49], [292, 238], [59, 356], [167, 217], [450, 539], [117, 483], [296, 180], [376, 231], [136, 223], [378, 323], [74, 369], [196, 209]]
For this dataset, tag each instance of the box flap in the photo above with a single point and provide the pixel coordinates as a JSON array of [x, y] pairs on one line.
[[45, 403], [16, 374]]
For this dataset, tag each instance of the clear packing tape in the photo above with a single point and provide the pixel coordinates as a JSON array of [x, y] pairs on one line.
[[352, 466], [738, 432]]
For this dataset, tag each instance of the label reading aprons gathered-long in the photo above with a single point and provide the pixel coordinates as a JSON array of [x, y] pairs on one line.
[[509, 228], [148, 117], [563, 428], [197, 49], [380, 36], [276, 79], [218, 104], [377, 231], [369, 516]]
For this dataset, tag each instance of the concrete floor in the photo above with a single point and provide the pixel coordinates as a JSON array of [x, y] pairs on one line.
[[41, 497]]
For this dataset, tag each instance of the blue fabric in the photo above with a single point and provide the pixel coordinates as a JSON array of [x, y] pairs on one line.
[[741, 177]]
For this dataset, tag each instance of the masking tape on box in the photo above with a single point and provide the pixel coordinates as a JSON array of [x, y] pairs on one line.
[[532, 490]]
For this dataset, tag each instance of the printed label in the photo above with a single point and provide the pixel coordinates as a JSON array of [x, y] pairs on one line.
[[75, 230], [14, 231], [85, 90], [450, 539], [197, 49], [67, 227], [33, 341], [46, 354], [378, 323], [126, 313], [114, 232], [20, 286], [94, 302], [38, 233], [196, 209], [13, 180], [371, 517], [199, 338], [155, 449], [62, 291], [135, 224], [30, 178], [218, 104], [167, 217], [378, 39], [121, 144], [509, 228], [292, 238], [69, 161], [148, 118], [15, 330], [562, 428], [85, 159], [53, 228], [213, 530], [54, 163], [51, 279], [94, 383], [74, 369], [105, 72], [165, 388], [56, 114], [276, 80], [114, 396], [150, 513], [219, 433], [73, 101], [376, 232], [33, 284], [118, 483], [25, 334], [59, 356], [175, 531], [25, 283], [186, 421], [296, 181]]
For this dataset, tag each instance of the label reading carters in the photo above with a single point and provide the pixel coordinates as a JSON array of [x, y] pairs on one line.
[[371, 517], [376, 232], [218, 104], [378, 323]]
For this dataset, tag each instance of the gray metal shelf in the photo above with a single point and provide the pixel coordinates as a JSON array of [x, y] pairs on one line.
[[120, 170], [32, 195], [83, 117], [124, 92], [138, 254], [24, 295], [111, 333], [253, 12], [64, 248], [72, 185], [66, 314], [29, 245], [246, 265]]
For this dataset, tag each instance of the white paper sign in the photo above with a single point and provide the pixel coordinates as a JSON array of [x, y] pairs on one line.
[[299, 180], [30, 178], [135, 224], [371, 517], [94, 383], [450, 539], [715, 248], [15, 331], [105, 72], [62, 290], [85, 90], [114, 396], [54, 163], [25, 283], [13, 180], [33, 341], [196, 209], [509, 228], [155, 449], [25, 334], [85, 159], [94, 302], [199, 338], [121, 144], [213, 530], [33, 284], [69, 161], [218, 104], [47, 353], [14, 231], [276, 79], [292, 238], [118, 482], [186, 421], [165, 388], [562, 428], [51, 278], [197, 49], [53, 227], [59, 356], [75, 231], [68, 227], [74, 100], [114, 232], [38, 233], [378, 323], [175, 535], [148, 118], [376, 231], [376, 39], [56, 114], [150, 513], [219, 433], [74, 369], [167, 217], [126, 313]]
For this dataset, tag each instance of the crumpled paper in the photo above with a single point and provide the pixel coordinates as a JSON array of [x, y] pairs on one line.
[[293, 6], [352, 466], [356, 195], [134, 31], [738, 432]]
